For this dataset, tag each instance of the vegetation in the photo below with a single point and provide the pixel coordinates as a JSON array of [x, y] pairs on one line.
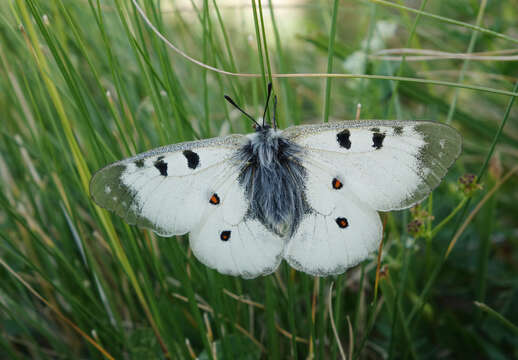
[[86, 82]]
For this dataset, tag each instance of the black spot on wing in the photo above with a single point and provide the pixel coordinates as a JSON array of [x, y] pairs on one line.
[[225, 235], [161, 165], [139, 163], [343, 139], [377, 140], [193, 159], [375, 130], [342, 222], [398, 130]]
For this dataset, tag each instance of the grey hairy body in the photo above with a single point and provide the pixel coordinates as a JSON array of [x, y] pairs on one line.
[[273, 179]]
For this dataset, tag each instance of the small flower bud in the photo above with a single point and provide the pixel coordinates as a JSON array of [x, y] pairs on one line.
[[468, 184], [415, 228]]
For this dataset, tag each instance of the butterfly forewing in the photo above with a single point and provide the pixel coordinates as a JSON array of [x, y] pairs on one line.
[[389, 165], [168, 188]]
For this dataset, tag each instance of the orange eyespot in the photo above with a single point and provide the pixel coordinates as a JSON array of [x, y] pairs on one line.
[[342, 222], [337, 184], [214, 199], [225, 235]]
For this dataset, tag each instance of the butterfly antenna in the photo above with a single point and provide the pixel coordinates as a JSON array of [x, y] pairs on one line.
[[229, 99], [274, 112], [267, 101]]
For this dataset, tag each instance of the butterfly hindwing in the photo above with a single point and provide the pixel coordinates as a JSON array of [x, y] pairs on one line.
[[389, 165], [166, 189], [233, 243], [228, 240], [337, 233]]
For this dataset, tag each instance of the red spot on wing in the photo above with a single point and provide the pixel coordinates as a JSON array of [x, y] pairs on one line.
[[342, 222], [337, 184], [214, 199]]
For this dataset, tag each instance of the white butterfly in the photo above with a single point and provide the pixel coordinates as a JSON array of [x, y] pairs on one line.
[[309, 194]]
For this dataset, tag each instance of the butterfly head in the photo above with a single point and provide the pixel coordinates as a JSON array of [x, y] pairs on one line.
[[264, 135], [265, 128], [259, 127]]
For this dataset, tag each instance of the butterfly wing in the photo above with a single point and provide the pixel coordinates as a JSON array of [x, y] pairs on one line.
[[231, 242], [166, 189], [192, 187], [389, 165], [337, 233], [353, 170]]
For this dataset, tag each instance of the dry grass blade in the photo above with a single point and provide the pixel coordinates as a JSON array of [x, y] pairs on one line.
[[242, 330], [290, 335], [427, 55], [315, 75], [190, 349], [243, 300]]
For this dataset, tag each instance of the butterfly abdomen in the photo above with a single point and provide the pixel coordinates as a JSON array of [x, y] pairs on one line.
[[273, 179]]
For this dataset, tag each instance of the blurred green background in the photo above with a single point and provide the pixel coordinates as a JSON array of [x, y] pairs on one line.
[[85, 82]]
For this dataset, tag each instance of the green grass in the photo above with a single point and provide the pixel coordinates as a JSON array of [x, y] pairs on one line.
[[84, 83]]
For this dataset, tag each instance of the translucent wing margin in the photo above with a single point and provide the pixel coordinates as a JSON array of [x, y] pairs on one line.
[[166, 189], [389, 165]]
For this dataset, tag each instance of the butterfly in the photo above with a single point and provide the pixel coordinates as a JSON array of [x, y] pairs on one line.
[[308, 194]]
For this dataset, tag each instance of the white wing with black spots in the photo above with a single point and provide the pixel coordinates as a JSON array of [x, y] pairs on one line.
[[389, 165], [167, 189], [231, 242], [192, 187], [338, 232], [309, 194]]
